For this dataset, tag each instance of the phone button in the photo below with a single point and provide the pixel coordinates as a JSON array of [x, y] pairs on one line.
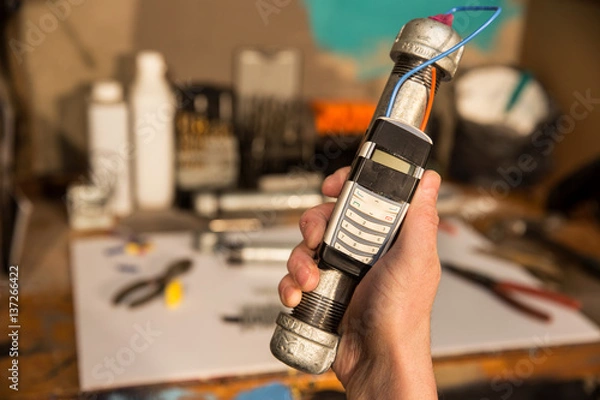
[[367, 224], [376, 202], [362, 259], [365, 248], [361, 234], [373, 210], [366, 260], [356, 203]]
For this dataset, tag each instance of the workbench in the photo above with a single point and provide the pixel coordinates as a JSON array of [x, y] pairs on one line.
[[47, 348]]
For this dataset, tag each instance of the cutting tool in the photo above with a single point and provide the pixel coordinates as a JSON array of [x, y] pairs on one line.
[[504, 290], [145, 290]]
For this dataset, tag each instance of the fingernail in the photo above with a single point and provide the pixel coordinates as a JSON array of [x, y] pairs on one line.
[[327, 182], [430, 183], [289, 294]]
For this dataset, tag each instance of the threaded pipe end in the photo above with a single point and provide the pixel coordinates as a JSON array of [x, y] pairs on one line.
[[320, 312], [404, 64]]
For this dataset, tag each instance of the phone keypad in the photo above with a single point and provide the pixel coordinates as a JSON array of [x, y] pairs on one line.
[[357, 245], [373, 210], [366, 225], [385, 206], [354, 216], [378, 239], [363, 259]]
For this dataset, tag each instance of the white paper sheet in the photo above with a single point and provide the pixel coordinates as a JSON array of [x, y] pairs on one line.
[[121, 347]]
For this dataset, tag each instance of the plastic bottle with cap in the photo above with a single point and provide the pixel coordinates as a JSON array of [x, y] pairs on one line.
[[109, 143], [153, 107]]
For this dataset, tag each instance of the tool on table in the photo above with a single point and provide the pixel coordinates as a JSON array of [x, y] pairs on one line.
[[539, 232], [232, 203], [541, 265], [136, 247], [133, 245], [277, 253], [173, 294], [224, 225], [127, 268], [209, 240], [255, 315], [145, 290], [375, 198], [503, 290]]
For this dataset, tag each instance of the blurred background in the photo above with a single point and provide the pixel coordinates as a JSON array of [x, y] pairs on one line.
[[121, 119], [343, 58]]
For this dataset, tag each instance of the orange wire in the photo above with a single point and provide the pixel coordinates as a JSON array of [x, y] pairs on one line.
[[430, 100]]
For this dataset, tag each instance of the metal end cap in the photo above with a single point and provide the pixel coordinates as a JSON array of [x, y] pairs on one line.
[[302, 346], [426, 38]]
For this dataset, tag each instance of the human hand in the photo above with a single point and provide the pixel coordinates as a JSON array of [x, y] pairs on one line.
[[384, 351]]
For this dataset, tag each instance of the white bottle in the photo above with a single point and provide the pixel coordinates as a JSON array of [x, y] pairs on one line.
[[109, 145], [153, 113]]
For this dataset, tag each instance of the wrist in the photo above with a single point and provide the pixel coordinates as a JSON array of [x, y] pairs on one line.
[[413, 366], [399, 367]]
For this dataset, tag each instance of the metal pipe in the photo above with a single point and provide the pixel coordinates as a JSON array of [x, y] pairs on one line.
[[308, 338]]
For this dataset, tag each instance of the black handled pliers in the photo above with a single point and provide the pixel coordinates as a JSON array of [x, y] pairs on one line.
[[143, 291]]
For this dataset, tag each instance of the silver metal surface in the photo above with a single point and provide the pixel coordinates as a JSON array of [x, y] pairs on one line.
[[307, 340], [335, 285], [419, 40], [426, 38], [209, 205], [366, 150], [410, 103], [262, 253], [419, 171], [303, 346], [337, 211]]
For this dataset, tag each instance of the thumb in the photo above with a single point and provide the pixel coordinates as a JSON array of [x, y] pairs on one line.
[[416, 246]]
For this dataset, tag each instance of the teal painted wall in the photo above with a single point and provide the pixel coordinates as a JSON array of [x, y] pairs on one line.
[[358, 28]]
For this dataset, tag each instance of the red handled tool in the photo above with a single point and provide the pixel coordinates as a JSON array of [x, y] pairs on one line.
[[503, 290]]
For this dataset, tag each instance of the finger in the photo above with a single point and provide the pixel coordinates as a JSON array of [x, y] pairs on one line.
[[417, 243], [302, 268], [332, 185], [313, 223], [289, 293]]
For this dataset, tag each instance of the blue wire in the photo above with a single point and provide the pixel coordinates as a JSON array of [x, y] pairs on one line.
[[472, 8], [466, 40]]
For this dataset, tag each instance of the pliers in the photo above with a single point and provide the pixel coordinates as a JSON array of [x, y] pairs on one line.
[[142, 291], [503, 289]]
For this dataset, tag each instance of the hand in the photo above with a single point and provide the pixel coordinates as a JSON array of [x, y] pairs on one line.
[[384, 350]]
